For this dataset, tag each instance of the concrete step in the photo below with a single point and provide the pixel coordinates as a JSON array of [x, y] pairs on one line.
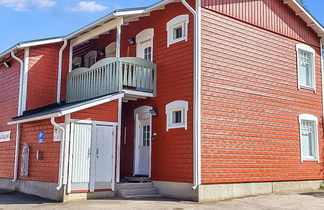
[[138, 192], [122, 186], [140, 179], [144, 196]]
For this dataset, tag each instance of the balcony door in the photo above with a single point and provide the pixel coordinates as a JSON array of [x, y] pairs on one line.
[[144, 42]]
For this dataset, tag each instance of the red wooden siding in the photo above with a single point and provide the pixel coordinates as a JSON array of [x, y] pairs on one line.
[[46, 169], [107, 112], [172, 157], [272, 15], [42, 75], [250, 104], [9, 91]]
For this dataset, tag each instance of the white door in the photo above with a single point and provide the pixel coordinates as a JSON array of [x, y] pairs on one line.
[[146, 50], [103, 157], [143, 144], [81, 157]]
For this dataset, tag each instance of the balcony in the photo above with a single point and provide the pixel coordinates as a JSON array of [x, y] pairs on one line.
[[111, 75]]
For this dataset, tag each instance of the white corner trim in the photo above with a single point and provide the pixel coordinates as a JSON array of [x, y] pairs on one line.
[[181, 20], [306, 48], [177, 106]]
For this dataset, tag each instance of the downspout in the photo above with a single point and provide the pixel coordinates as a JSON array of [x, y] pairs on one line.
[[60, 177], [59, 74], [197, 92], [322, 67], [19, 113]]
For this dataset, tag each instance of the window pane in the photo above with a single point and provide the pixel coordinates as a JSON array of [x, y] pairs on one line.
[[148, 53], [177, 32], [305, 69], [177, 117], [308, 138]]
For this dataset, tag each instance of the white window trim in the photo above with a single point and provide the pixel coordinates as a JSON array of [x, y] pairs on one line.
[[5, 136], [306, 48], [177, 106], [142, 37], [309, 117], [88, 56], [175, 22], [77, 61], [112, 47]]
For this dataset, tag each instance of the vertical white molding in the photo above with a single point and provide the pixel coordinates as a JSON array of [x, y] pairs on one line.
[[66, 148], [69, 185], [322, 67], [118, 40], [25, 80], [70, 58], [120, 109]]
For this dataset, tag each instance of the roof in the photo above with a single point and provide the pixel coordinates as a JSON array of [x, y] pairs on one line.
[[58, 110]]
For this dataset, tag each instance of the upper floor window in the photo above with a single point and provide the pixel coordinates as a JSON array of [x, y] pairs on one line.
[[306, 67], [144, 44], [110, 50], [77, 62], [308, 137], [177, 29], [90, 58], [177, 114]]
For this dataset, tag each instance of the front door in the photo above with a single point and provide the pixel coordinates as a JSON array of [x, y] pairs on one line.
[[143, 144]]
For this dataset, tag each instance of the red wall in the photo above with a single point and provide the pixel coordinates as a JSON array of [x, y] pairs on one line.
[[9, 86], [42, 75], [172, 156], [250, 101], [46, 169], [271, 15]]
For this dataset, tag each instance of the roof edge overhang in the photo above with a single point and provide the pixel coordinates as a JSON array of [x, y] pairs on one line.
[[67, 110], [303, 13]]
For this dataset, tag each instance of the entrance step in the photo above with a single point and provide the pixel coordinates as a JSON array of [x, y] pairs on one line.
[[140, 179], [137, 190]]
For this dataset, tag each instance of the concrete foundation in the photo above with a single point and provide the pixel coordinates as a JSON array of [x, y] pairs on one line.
[[176, 190], [85, 196], [216, 192], [41, 189]]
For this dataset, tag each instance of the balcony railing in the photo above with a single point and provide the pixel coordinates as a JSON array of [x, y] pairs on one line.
[[111, 75]]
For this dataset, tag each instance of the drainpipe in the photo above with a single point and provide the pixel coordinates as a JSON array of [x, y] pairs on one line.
[[60, 177], [197, 92], [322, 65], [19, 113], [59, 74]]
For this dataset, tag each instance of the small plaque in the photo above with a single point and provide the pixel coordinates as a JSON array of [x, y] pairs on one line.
[[5, 136], [41, 136]]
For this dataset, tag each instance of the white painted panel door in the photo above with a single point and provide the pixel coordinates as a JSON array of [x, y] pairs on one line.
[[143, 144], [104, 164], [81, 157]]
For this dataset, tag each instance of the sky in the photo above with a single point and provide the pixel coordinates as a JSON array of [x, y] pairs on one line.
[[24, 20]]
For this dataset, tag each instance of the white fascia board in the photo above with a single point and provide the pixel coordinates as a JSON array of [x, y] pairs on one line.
[[43, 117], [157, 5], [40, 42], [128, 13]]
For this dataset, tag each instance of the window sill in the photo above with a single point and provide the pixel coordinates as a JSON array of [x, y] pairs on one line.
[[177, 40], [306, 88], [176, 126], [310, 159]]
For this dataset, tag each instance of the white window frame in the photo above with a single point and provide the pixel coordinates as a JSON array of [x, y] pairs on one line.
[[89, 56], [142, 37], [177, 106], [181, 20], [308, 117], [110, 50], [77, 61], [5, 136], [308, 49]]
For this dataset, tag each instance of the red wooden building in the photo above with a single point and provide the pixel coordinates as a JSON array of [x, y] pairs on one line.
[[200, 100]]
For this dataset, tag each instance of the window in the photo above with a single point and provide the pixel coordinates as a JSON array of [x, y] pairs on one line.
[[90, 59], [306, 67], [5, 136], [110, 50], [177, 114], [144, 44], [146, 136], [177, 29], [148, 53], [308, 137], [76, 62]]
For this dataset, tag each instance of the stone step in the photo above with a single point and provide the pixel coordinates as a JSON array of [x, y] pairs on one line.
[[138, 192], [122, 186]]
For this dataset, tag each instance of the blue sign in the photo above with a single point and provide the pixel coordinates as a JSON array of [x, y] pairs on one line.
[[41, 136]]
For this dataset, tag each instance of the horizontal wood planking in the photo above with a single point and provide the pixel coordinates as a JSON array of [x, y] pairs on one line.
[[272, 15], [250, 104], [9, 91]]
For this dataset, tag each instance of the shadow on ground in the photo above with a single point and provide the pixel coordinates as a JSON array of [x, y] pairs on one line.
[[19, 198], [314, 194]]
